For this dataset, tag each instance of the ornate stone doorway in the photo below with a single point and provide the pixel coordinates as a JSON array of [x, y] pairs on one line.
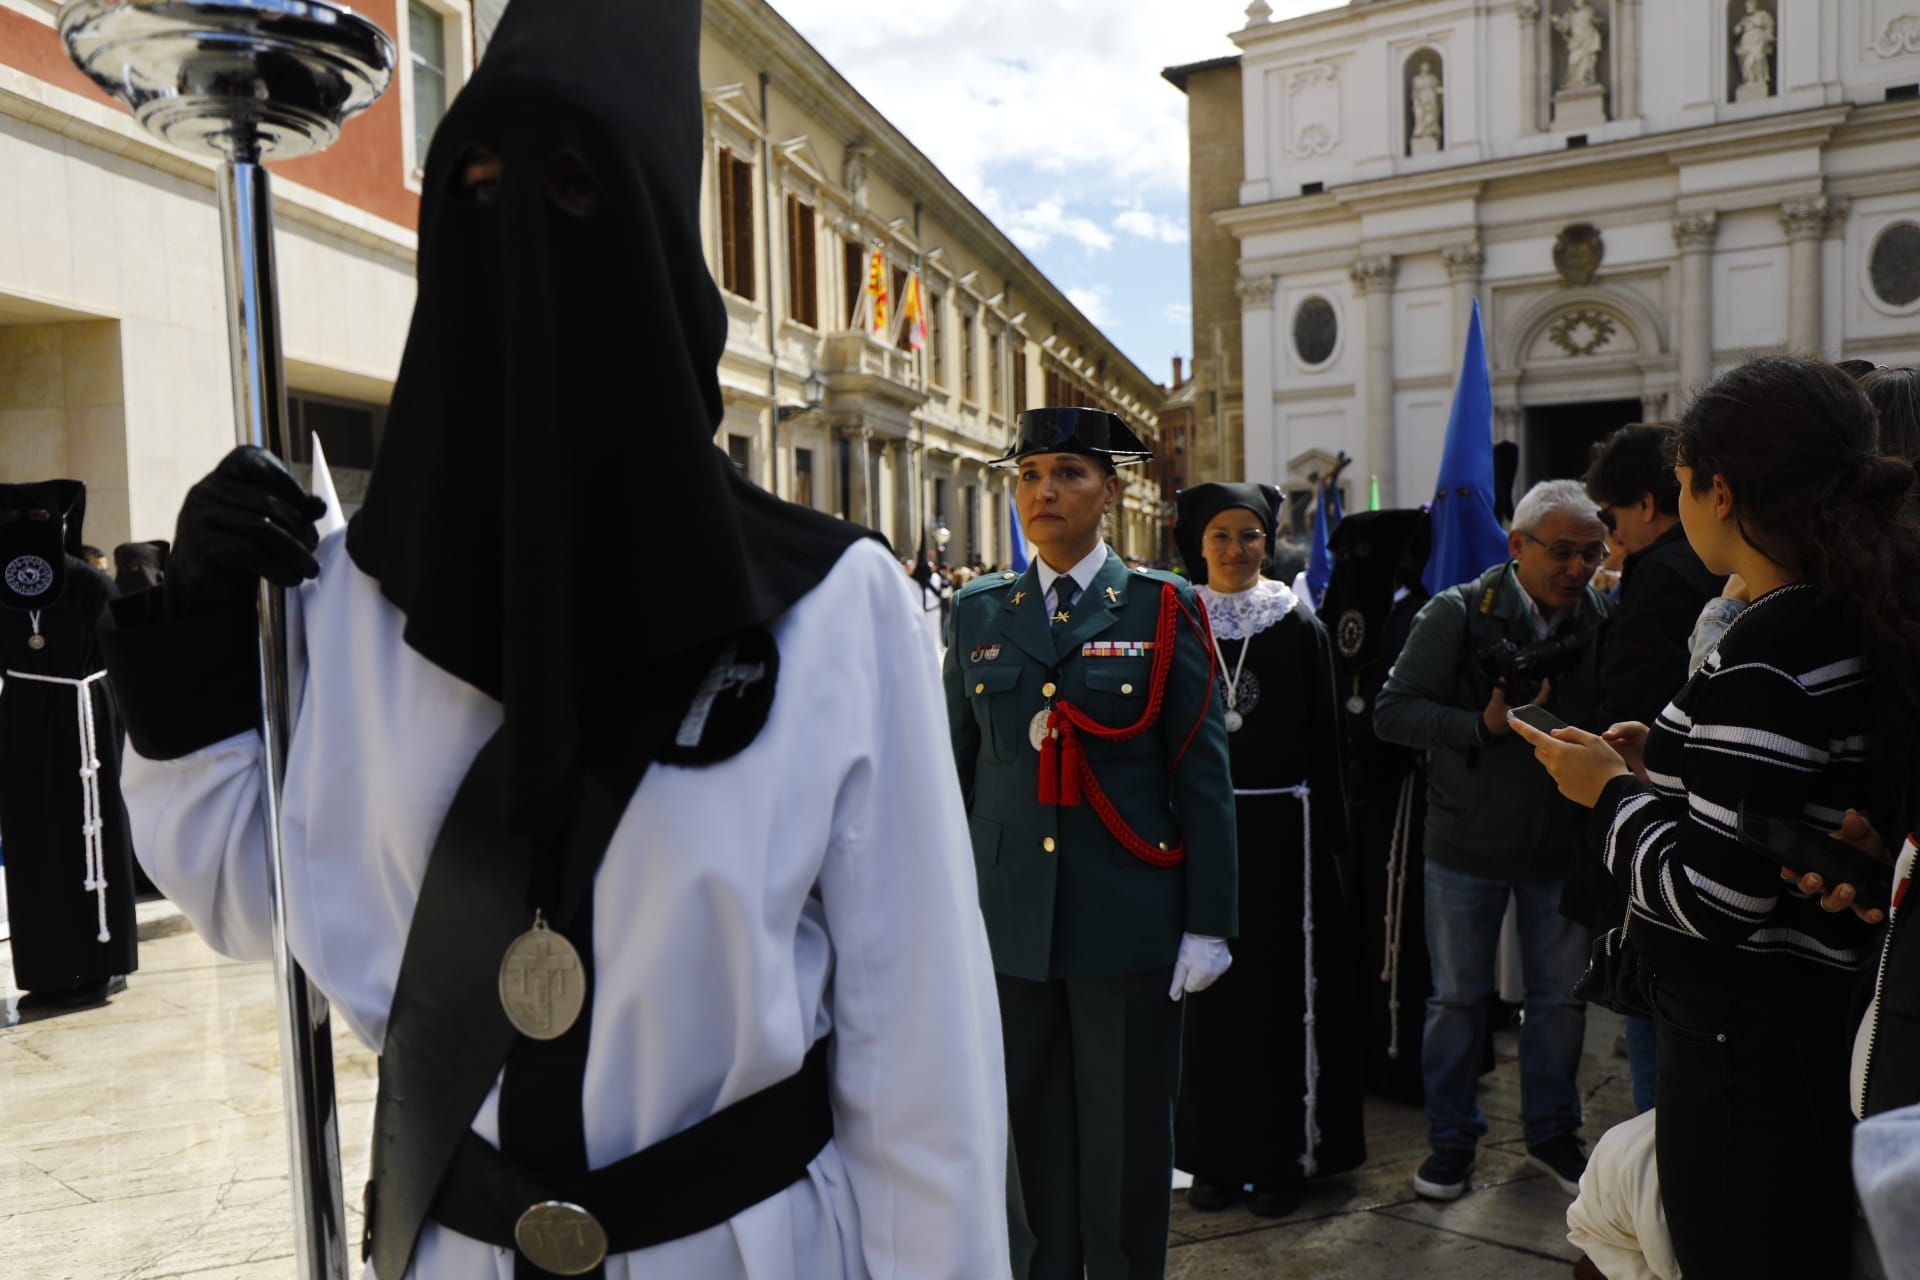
[[1560, 437]]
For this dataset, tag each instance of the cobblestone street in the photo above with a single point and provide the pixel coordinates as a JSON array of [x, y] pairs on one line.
[[143, 1140]]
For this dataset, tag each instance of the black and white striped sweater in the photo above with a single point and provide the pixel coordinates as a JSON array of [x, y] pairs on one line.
[[1778, 718]]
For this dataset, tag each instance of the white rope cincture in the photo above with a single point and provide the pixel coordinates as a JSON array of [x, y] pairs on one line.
[[90, 823], [1398, 856], [1304, 794]]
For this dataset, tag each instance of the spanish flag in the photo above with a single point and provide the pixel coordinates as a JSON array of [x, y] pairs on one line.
[[914, 312], [879, 314]]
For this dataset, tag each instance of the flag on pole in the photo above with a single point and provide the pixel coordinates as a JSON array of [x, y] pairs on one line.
[[878, 312], [913, 313], [1016, 554], [1467, 538], [1373, 493], [1319, 554]]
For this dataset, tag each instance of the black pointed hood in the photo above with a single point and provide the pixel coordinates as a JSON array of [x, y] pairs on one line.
[[558, 396]]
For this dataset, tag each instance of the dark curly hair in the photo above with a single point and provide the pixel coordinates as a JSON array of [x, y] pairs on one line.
[[1797, 442]]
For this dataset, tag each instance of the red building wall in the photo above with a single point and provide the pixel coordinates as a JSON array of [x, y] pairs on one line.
[[366, 168]]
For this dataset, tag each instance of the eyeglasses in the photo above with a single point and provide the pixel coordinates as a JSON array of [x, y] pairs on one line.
[[1566, 553], [1248, 538]]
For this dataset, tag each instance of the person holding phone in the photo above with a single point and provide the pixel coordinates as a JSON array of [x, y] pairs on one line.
[[1780, 483], [1524, 631]]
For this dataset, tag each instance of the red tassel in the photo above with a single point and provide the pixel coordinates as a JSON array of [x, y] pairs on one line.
[[1050, 763], [1072, 760]]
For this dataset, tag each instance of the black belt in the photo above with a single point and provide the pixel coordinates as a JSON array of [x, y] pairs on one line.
[[696, 1179]]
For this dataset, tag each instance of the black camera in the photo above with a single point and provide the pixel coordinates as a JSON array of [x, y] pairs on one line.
[[1523, 667]]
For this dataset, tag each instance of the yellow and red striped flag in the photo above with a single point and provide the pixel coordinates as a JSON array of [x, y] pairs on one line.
[[877, 292]]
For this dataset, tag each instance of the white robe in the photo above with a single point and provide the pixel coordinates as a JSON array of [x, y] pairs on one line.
[[820, 881]]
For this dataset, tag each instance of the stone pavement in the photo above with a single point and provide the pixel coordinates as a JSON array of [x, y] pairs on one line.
[[143, 1140]]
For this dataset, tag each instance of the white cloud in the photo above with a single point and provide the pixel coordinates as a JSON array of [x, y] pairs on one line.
[[1034, 227], [1062, 87], [1178, 313], [1091, 301], [1151, 226]]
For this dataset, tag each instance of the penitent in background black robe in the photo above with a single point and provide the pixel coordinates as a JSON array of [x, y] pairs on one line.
[[55, 918], [1242, 1112]]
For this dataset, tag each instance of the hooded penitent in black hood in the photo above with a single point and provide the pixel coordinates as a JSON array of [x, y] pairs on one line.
[[558, 396]]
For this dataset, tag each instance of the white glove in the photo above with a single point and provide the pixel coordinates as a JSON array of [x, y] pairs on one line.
[[1201, 962]]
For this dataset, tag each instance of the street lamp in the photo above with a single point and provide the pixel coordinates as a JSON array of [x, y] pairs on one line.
[[814, 388]]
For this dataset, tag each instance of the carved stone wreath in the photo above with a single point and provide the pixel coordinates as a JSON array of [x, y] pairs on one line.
[[1581, 333]]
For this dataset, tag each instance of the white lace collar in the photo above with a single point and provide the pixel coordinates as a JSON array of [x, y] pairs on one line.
[[1246, 613]]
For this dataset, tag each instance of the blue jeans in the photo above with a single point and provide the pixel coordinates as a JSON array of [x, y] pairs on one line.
[[1463, 938], [1643, 1054]]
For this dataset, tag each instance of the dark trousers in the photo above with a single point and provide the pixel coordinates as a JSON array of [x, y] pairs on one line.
[[1093, 1067], [1754, 1132]]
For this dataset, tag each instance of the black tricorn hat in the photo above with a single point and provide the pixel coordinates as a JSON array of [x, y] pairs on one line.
[[1094, 432]]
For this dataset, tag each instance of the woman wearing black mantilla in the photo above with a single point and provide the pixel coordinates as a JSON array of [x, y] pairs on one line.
[[1270, 1075]]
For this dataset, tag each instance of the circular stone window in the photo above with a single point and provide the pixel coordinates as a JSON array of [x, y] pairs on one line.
[[1894, 266], [1315, 331]]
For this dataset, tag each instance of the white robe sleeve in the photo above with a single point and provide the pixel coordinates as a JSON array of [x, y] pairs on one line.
[[197, 829], [919, 1081]]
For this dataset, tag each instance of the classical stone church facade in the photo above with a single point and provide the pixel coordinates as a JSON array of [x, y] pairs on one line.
[[1638, 195]]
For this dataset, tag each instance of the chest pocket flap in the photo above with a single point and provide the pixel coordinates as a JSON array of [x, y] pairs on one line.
[[990, 678], [1121, 679]]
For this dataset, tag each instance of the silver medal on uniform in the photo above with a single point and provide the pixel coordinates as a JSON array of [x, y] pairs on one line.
[[1356, 705], [1235, 722], [1037, 728], [36, 642], [543, 985]]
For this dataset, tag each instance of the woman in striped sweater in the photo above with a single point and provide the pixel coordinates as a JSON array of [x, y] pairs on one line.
[[1780, 482]]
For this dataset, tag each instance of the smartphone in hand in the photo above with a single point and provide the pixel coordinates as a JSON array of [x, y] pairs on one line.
[[1537, 717], [1789, 844]]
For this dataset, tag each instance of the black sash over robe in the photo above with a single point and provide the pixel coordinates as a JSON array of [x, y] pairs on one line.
[[1242, 1112], [55, 918]]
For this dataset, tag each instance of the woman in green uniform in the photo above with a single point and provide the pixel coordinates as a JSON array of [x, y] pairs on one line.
[[1088, 729]]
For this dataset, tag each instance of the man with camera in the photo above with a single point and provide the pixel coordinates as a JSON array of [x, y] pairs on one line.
[[1523, 633]]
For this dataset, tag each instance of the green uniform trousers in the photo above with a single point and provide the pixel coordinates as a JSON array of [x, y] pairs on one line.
[[1093, 1070]]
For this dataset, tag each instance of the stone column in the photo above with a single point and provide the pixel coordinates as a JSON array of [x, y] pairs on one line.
[[1463, 270], [1653, 406], [1805, 222], [1693, 233], [1373, 279], [1626, 54], [858, 500], [1257, 356], [1528, 12], [905, 536]]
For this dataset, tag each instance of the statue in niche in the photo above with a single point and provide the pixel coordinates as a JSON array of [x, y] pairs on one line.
[[1579, 26], [1754, 44], [1426, 96]]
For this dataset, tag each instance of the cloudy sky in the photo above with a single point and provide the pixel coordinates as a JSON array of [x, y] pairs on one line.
[[1052, 117]]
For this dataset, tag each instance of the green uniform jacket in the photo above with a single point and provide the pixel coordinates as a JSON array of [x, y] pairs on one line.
[[1492, 811], [1063, 898]]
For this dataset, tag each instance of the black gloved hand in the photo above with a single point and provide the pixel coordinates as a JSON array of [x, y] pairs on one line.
[[248, 519]]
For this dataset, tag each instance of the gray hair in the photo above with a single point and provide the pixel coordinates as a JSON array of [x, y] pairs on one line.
[[1549, 497]]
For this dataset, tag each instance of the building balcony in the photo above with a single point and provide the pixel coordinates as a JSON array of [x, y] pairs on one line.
[[858, 366]]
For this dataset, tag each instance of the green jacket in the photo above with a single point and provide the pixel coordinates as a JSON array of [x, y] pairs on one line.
[[1492, 810], [1062, 897]]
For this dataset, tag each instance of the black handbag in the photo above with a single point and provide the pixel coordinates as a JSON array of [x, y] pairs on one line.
[[1616, 977]]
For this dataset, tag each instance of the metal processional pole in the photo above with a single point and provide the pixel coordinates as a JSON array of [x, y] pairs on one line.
[[247, 81]]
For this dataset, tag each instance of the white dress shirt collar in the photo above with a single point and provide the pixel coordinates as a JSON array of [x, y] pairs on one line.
[[1082, 572]]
